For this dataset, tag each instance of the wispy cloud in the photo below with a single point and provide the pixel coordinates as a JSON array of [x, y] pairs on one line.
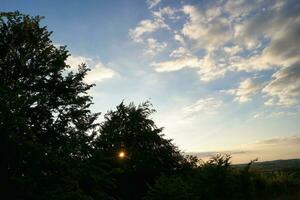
[[74, 61], [152, 3], [267, 149], [154, 47], [209, 154], [207, 28], [293, 140], [245, 91], [176, 64], [208, 106], [233, 36], [274, 114], [284, 88], [146, 27], [98, 72]]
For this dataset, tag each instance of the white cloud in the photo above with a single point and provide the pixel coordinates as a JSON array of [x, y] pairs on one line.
[[98, 71], [228, 36], [282, 114], [284, 88], [210, 69], [146, 26], [207, 69], [180, 53], [274, 114], [153, 3], [75, 61], [176, 64], [285, 141], [178, 38], [245, 91], [154, 47], [208, 106], [270, 102], [232, 50], [142, 33], [278, 24], [257, 115], [166, 12], [237, 10], [207, 29]]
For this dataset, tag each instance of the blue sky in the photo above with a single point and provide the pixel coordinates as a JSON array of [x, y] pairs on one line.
[[224, 76]]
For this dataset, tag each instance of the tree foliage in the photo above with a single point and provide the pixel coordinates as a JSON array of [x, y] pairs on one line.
[[148, 153], [44, 112]]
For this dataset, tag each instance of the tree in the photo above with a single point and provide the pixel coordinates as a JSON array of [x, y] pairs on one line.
[[147, 153], [46, 126]]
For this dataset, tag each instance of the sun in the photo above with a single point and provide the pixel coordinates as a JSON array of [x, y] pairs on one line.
[[122, 154]]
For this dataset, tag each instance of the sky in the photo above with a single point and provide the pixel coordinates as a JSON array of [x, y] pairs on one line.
[[224, 76]]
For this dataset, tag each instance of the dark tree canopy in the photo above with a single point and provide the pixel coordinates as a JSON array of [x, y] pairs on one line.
[[131, 128], [46, 127], [147, 153]]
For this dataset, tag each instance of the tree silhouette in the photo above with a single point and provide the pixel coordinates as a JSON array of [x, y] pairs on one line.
[[130, 129], [44, 113]]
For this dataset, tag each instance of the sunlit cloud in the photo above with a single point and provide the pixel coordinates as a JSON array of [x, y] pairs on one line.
[[154, 47], [284, 88], [207, 28], [179, 38], [274, 114], [233, 36], [98, 72], [146, 27], [209, 154], [208, 106], [177, 64], [263, 150], [166, 12], [74, 61], [245, 91]]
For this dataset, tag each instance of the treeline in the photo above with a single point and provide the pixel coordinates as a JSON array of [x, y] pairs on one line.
[[51, 146], [218, 179]]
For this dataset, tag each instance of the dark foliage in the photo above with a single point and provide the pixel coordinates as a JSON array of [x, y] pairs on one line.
[[217, 179], [148, 153], [44, 115]]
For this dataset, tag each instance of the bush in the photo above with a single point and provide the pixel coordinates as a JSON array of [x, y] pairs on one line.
[[218, 179]]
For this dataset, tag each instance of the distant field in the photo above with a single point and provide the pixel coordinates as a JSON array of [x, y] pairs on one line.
[[290, 166], [275, 164]]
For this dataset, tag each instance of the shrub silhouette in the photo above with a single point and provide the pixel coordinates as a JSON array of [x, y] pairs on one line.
[[218, 179]]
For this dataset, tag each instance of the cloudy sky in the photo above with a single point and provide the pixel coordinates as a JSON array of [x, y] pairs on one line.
[[224, 76]]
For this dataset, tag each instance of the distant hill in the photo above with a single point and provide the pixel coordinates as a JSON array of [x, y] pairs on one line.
[[291, 166], [275, 164]]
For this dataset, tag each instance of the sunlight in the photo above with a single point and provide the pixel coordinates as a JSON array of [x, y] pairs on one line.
[[122, 154]]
